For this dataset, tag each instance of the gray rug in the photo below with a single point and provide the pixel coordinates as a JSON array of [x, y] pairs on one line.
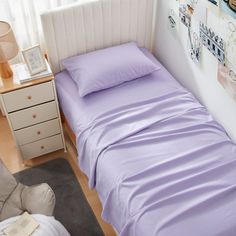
[[72, 208]]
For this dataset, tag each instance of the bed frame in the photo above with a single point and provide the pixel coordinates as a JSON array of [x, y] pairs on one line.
[[85, 27], [68, 129]]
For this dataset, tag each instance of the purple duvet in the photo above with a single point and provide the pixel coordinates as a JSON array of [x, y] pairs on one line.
[[159, 162]]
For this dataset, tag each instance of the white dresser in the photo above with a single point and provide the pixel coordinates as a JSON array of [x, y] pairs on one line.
[[33, 115]]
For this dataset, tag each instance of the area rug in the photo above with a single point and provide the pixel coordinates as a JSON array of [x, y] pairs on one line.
[[72, 208]]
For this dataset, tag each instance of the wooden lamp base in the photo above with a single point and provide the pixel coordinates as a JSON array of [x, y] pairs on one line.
[[5, 70]]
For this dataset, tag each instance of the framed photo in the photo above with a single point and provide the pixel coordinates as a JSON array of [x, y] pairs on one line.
[[34, 60]]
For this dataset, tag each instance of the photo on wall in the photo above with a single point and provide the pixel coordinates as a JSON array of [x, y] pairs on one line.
[[173, 23], [186, 10], [189, 5], [227, 78], [227, 28], [229, 7]]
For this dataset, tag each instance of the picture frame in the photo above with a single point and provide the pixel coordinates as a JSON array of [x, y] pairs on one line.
[[34, 60]]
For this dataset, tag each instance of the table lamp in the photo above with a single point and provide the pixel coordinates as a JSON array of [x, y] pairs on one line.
[[8, 49]]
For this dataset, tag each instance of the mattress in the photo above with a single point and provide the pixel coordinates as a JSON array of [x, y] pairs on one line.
[[158, 160]]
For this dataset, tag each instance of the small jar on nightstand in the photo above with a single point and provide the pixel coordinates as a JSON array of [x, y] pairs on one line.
[[33, 115]]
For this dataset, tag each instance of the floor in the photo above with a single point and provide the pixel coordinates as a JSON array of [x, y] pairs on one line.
[[11, 158]]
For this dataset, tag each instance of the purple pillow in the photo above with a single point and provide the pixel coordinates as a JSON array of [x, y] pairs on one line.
[[108, 67]]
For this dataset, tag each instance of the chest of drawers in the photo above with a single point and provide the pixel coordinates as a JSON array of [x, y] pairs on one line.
[[34, 118]]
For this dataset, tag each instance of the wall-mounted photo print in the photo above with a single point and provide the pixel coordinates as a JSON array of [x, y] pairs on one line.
[[186, 10], [173, 20], [227, 78], [194, 46], [185, 15], [189, 5], [229, 7], [227, 29], [213, 42]]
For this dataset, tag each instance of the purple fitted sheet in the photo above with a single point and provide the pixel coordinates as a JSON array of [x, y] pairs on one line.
[[159, 162]]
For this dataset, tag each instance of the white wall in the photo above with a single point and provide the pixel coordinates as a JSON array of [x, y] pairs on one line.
[[200, 80]]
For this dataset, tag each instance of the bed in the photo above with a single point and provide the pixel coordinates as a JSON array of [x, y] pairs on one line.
[[158, 160], [165, 161]]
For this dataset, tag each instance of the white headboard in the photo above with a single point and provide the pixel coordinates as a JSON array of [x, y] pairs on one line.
[[80, 28]]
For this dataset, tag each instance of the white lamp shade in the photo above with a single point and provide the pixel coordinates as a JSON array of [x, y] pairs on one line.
[[8, 44]]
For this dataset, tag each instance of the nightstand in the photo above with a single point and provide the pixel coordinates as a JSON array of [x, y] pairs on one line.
[[33, 115]]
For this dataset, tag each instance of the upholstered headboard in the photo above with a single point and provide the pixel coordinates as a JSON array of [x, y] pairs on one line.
[[80, 28]]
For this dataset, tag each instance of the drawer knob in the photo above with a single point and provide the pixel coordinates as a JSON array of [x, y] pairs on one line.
[[42, 147], [39, 132], [34, 116], [29, 97]]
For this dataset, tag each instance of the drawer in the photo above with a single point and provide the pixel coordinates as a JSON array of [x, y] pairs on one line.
[[33, 115], [28, 97], [41, 147], [37, 132]]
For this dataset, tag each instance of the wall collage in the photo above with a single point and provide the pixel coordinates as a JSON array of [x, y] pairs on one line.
[[210, 24]]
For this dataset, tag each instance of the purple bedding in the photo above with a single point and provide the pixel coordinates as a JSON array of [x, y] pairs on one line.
[[159, 162]]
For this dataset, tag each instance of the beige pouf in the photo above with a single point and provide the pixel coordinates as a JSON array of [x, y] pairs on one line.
[[16, 198]]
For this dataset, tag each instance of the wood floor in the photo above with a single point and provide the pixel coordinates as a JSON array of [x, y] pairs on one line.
[[11, 158]]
